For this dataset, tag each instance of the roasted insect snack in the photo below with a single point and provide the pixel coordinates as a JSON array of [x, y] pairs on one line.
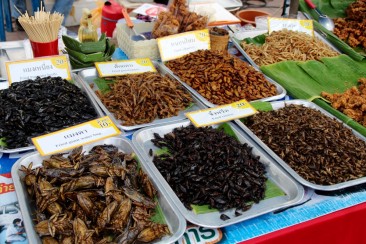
[[141, 98], [352, 102], [34, 107], [320, 149], [99, 197], [286, 45], [352, 28], [177, 20], [220, 77], [207, 166]]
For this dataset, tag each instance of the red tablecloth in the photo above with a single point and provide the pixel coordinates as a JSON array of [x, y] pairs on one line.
[[345, 226]]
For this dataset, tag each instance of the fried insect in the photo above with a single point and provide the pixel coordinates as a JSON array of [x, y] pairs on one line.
[[141, 98], [285, 45], [106, 199], [220, 77]]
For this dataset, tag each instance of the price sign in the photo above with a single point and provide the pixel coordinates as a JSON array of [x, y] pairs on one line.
[[29, 69], [133, 66], [221, 114], [275, 24], [175, 46], [75, 136]]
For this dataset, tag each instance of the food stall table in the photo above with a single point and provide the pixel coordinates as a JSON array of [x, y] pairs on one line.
[[325, 218]]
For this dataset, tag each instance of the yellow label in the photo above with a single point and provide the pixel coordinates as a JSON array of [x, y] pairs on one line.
[[60, 62], [220, 114], [175, 46], [203, 36], [45, 66], [123, 67], [276, 24], [75, 136]]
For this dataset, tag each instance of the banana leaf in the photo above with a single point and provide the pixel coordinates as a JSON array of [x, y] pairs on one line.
[[340, 5], [158, 216], [331, 8], [2, 142], [262, 106], [103, 84], [258, 40], [306, 80], [340, 79], [293, 78]]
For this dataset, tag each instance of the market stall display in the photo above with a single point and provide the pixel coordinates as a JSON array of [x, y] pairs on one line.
[[280, 189], [218, 78], [95, 193], [172, 172], [140, 100], [314, 147], [34, 107]]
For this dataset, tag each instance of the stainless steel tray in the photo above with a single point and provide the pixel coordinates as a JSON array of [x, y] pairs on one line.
[[175, 221], [281, 92], [77, 82], [237, 42], [294, 191], [281, 104], [88, 76]]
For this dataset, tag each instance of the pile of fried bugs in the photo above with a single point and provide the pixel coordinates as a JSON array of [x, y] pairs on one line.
[[206, 166], [34, 107], [141, 98], [99, 197], [320, 149]]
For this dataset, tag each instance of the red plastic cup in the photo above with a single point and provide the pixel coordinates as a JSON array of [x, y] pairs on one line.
[[44, 49]]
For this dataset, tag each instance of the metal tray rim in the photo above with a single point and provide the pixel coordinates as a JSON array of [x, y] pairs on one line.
[[175, 200], [28, 223], [292, 172]]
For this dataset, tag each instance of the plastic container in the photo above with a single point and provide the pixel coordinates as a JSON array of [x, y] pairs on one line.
[[41, 49], [111, 13], [248, 16]]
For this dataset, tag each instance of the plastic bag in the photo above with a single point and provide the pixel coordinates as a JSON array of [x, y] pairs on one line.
[[166, 25], [97, 13], [177, 20]]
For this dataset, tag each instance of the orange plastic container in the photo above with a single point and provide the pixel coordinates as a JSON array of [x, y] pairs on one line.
[[248, 16]]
